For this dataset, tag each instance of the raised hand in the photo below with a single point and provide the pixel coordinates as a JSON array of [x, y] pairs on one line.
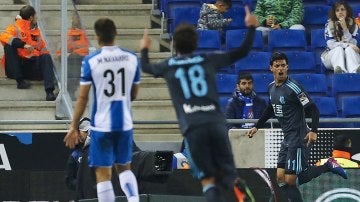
[[145, 41], [250, 20]]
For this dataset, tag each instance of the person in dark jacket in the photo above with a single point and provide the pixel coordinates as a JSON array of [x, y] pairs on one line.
[[244, 104]]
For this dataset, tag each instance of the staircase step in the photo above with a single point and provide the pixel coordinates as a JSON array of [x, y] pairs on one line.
[[153, 110], [27, 110], [157, 137]]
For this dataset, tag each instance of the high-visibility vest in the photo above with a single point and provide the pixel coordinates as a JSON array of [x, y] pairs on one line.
[[343, 158], [78, 42]]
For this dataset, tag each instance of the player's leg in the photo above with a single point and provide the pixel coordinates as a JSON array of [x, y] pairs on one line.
[[224, 161], [101, 157], [123, 154], [105, 191], [198, 147]]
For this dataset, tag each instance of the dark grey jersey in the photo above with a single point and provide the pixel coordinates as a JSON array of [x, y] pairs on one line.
[[288, 102], [192, 86]]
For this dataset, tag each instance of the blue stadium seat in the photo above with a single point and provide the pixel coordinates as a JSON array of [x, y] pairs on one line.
[[208, 40], [254, 61], [237, 14], [234, 38], [356, 9], [286, 39], [350, 107], [226, 83], [314, 84], [180, 15], [346, 84], [315, 16], [261, 82], [167, 6], [301, 61], [318, 45], [223, 102], [326, 106]]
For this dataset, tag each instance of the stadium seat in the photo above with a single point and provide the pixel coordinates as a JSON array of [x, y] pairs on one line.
[[345, 85], [237, 14], [167, 6], [226, 83], [301, 61], [314, 84], [286, 39], [318, 45], [234, 38], [183, 15], [223, 102], [208, 40], [350, 107], [254, 61], [315, 16], [262, 81], [326, 106]]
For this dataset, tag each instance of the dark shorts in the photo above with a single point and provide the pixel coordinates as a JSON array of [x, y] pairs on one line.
[[209, 151], [293, 159]]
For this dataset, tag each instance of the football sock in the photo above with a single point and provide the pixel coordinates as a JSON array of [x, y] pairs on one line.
[[105, 191], [212, 193], [129, 186], [311, 173]]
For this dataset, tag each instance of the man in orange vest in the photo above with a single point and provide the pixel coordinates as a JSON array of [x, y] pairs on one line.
[[341, 152], [26, 55]]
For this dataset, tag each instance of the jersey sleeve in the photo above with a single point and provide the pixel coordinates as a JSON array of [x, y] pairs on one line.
[[157, 69], [86, 78], [137, 74], [301, 95]]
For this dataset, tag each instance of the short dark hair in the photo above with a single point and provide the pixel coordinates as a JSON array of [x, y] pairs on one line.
[[26, 12], [226, 2], [341, 141], [105, 29], [185, 38], [278, 56], [244, 75]]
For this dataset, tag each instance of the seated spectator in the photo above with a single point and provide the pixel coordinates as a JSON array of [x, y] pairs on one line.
[[244, 103], [341, 152], [341, 54], [211, 16], [77, 43], [280, 14], [26, 55]]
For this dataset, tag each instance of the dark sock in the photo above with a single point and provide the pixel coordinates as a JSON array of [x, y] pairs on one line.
[[211, 193], [293, 193], [311, 173]]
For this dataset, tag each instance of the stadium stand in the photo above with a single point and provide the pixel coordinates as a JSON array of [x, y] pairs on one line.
[[234, 38], [314, 84], [225, 83], [301, 61], [254, 62], [237, 14], [285, 39], [209, 40]]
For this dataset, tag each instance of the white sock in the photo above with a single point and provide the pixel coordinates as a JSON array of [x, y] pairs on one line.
[[129, 185], [105, 191]]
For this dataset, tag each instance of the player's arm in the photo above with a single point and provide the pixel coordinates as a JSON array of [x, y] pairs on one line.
[[145, 45], [232, 56], [266, 115], [312, 111]]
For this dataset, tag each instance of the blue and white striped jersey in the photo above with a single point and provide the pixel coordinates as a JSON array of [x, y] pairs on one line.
[[112, 71]]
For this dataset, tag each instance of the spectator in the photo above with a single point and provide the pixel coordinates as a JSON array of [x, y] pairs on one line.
[[26, 55], [280, 14], [342, 53], [211, 15], [244, 104], [341, 153], [74, 159]]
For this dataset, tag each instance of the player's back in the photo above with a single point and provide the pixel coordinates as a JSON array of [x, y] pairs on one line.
[[191, 82], [112, 71]]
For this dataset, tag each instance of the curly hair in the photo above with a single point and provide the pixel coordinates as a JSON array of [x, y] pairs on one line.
[[185, 38]]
